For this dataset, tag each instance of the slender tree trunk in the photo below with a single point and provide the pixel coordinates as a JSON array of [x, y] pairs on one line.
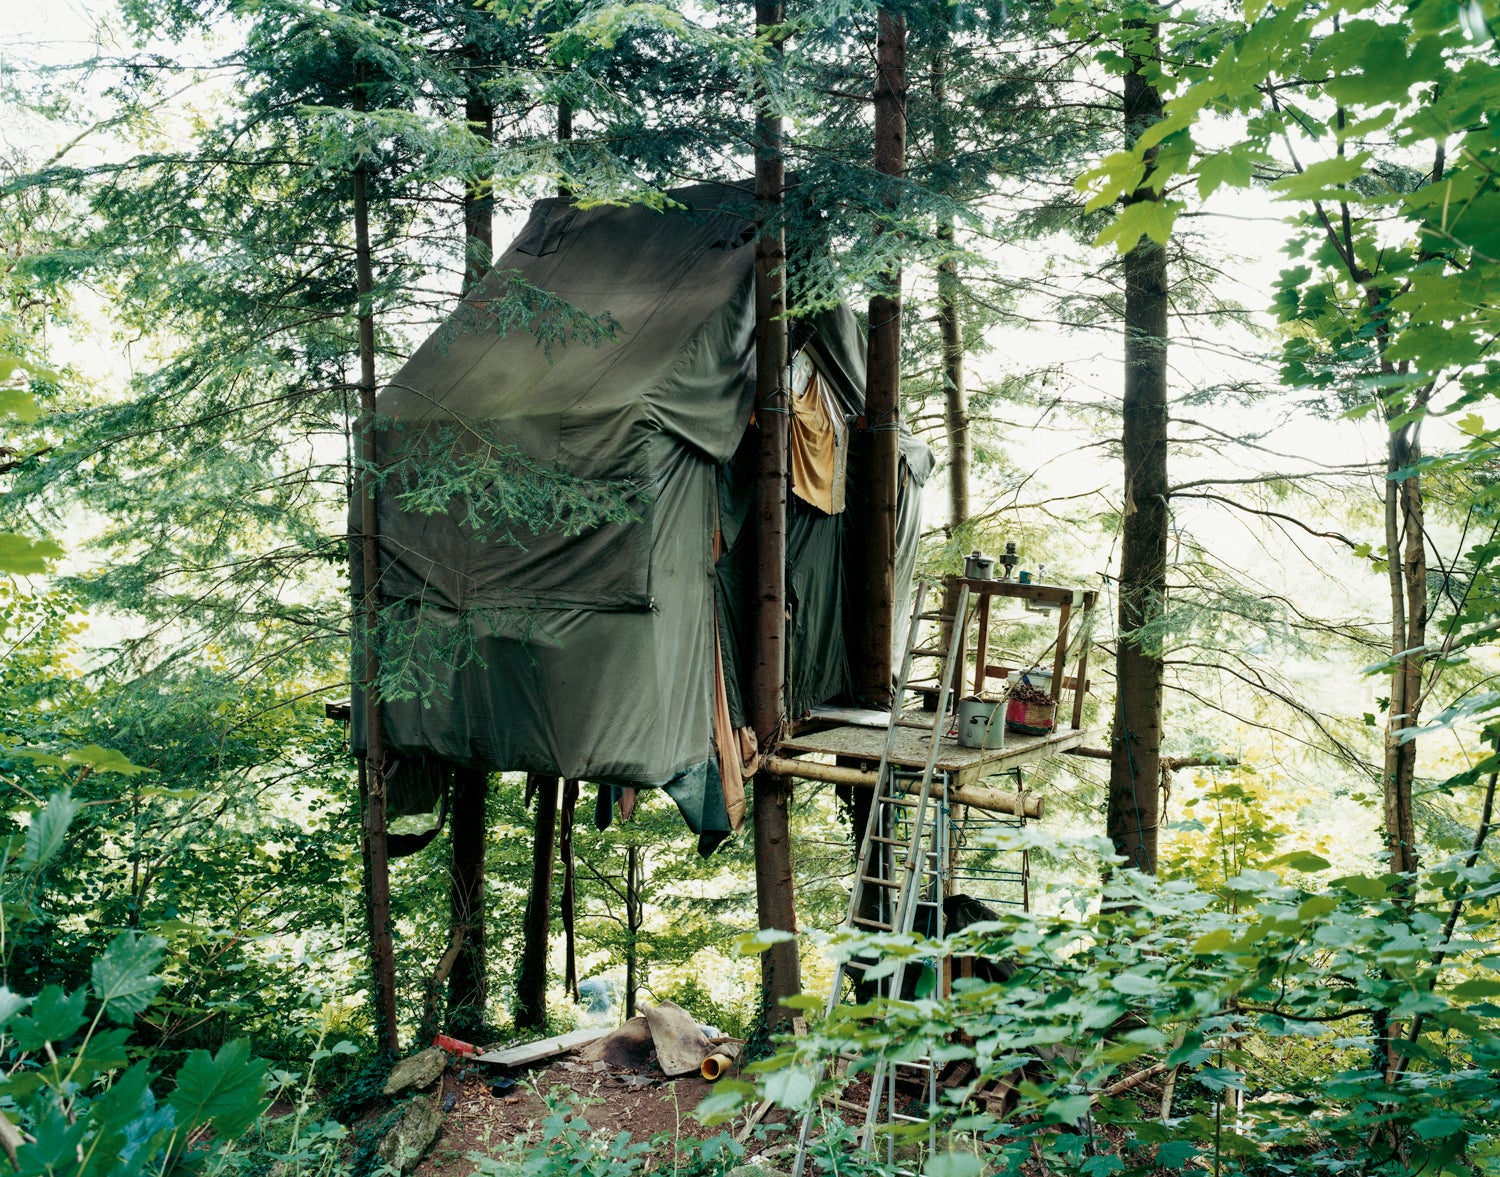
[[569, 888], [468, 829], [950, 321], [479, 202], [775, 895], [1407, 550], [531, 984], [883, 384], [950, 332], [634, 918], [1134, 796], [373, 846]]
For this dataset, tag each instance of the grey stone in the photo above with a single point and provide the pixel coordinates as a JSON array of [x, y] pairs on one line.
[[416, 1072], [407, 1143], [754, 1171]]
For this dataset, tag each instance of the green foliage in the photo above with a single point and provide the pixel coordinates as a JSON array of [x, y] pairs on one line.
[[1136, 972], [76, 1102]]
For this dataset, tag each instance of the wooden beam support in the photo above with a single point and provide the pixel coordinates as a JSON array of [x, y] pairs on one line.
[[976, 796]]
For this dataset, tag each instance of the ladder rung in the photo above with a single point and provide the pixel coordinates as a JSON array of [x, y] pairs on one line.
[[916, 724], [935, 616], [880, 882], [929, 652], [869, 923], [884, 841]]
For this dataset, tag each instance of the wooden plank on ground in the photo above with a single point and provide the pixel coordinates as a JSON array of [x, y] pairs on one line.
[[534, 1052]]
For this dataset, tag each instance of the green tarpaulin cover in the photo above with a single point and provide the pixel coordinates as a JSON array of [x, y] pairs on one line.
[[586, 651]]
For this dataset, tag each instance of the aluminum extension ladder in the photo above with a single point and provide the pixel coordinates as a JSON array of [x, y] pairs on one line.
[[900, 872]]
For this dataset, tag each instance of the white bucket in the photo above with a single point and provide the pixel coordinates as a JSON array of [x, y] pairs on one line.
[[981, 723]]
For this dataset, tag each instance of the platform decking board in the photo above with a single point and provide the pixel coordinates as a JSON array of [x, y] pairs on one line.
[[966, 764]]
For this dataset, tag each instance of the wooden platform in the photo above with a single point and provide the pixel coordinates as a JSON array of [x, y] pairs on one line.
[[967, 765]]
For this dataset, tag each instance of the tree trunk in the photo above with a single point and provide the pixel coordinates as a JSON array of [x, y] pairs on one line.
[[569, 888], [479, 202], [1407, 564], [531, 984], [775, 896], [950, 322], [468, 827], [373, 848], [950, 332], [1134, 796], [883, 385], [634, 918]]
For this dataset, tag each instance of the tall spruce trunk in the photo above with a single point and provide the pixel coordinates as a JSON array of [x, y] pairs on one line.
[[1135, 767], [872, 657], [374, 850], [951, 336], [536, 923], [775, 896], [467, 820], [950, 316]]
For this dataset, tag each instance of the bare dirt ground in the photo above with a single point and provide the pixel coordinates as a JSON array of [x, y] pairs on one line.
[[646, 1105]]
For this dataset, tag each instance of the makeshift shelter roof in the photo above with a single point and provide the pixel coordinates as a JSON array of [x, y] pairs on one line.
[[610, 353]]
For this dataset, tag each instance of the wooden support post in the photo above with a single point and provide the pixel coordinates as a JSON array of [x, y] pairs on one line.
[[981, 643], [1060, 652], [468, 826], [531, 985], [569, 888]]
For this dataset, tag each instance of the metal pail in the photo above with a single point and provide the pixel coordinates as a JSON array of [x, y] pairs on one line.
[[981, 724]]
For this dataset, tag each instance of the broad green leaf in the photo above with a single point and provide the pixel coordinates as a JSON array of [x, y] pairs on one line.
[[754, 943], [790, 1086], [48, 829], [1068, 1109], [1476, 990], [55, 1016], [15, 402], [223, 1089], [1146, 218], [1303, 860], [1327, 178], [953, 1164], [21, 555], [120, 1104], [125, 978], [1175, 1154], [103, 760], [1235, 168], [1364, 886], [1215, 941], [1437, 1125], [1135, 985]]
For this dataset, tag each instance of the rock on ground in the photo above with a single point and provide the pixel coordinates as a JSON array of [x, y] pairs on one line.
[[416, 1072], [407, 1143]]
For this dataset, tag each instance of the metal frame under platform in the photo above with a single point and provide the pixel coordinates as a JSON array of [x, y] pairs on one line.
[[965, 766]]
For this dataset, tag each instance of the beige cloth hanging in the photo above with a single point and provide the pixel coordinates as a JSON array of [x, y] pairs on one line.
[[820, 444]]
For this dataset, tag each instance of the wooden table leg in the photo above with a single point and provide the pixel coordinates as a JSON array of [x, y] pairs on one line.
[[1060, 655]]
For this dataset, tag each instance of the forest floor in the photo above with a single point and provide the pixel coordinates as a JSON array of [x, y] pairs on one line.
[[646, 1105]]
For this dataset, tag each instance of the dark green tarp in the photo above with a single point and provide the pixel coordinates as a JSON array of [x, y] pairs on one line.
[[588, 653]]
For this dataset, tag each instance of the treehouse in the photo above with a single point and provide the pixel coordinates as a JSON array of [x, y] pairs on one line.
[[565, 558]]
